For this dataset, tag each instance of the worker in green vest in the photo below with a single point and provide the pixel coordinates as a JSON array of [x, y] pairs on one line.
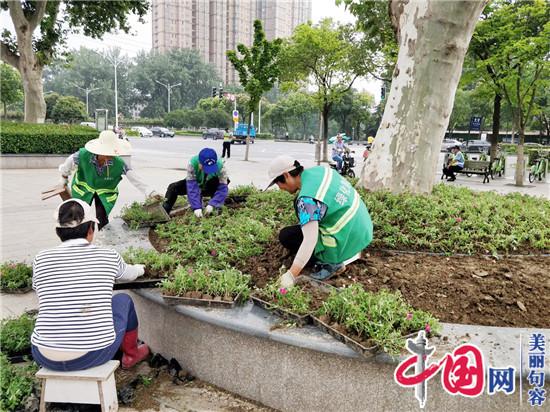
[[99, 170], [334, 223], [206, 176], [226, 145]]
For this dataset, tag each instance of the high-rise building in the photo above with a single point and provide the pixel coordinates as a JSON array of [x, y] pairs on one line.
[[214, 26]]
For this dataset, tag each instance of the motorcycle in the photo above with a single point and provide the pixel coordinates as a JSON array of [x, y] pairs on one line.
[[348, 162]]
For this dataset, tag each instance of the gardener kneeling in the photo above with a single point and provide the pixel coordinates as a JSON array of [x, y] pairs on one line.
[[335, 225], [206, 176], [80, 323]]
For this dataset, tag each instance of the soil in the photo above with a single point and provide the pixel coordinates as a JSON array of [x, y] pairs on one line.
[[510, 291]]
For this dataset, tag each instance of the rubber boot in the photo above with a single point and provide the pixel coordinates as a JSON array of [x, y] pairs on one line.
[[132, 353]]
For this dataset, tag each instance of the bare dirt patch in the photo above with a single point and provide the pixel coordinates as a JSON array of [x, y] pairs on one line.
[[511, 291]]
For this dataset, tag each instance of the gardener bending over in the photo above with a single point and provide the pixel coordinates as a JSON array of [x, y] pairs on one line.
[[80, 323], [206, 176], [99, 170], [335, 225]]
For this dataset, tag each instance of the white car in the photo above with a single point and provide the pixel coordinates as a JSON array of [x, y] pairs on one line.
[[143, 131], [448, 143]]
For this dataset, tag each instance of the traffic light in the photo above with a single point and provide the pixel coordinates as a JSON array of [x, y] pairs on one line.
[[214, 92], [383, 92], [221, 92]]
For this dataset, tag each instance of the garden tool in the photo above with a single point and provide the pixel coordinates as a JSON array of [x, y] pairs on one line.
[[61, 190], [154, 208]]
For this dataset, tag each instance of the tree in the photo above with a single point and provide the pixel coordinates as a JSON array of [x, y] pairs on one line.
[[461, 111], [333, 57], [433, 37], [512, 46], [50, 99], [69, 109], [11, 90], [217, 118], [29, 53], [176, 66], [258, 69], [300, 107], [361, 113]]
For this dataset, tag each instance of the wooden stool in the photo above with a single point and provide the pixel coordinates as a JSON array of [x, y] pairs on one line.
[[94, 385]]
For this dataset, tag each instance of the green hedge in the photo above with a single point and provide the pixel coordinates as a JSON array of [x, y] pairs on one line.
[[44, 138], [183, 132], [264, 136]]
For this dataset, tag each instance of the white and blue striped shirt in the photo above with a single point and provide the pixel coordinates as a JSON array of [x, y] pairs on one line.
[[74, 284]]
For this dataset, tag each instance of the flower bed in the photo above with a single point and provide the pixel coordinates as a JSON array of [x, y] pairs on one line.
[[15, 277], [15, 336]]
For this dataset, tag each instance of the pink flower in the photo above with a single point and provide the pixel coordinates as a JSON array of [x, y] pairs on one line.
[[409, 316], [214, 253], [190, 270], [283, 291], [428, 328], [458, 219]]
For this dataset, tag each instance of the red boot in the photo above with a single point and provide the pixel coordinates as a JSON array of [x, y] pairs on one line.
[[132, 352]]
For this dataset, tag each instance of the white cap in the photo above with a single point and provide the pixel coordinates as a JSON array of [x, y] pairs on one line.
[[108, 144], [280, 165], [89, 214]]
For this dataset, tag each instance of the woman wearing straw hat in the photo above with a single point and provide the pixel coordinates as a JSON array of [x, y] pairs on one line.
[[99, 171]]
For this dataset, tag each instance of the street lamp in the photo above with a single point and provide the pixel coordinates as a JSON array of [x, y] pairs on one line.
[[115, 62], [169, 88], [87, 91]]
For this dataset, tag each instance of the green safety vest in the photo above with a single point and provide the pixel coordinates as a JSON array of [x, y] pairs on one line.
[[226, 137], [86, 181], [346, 228], [200, 176]]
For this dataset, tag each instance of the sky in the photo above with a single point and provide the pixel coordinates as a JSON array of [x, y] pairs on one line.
[[140, 37]]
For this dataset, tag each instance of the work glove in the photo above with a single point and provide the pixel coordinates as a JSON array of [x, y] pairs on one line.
[[198, 212], [286, 280], [140, 269], [64, 180], [155, 196], [208, 210]]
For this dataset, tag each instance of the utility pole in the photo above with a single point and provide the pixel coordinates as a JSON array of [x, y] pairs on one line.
[[87, 91], [169, 88], [260, 117]]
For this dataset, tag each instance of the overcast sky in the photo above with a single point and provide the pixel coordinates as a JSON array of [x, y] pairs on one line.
[[141, 36]]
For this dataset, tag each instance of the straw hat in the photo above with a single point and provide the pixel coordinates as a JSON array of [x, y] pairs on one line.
[[108, 144]]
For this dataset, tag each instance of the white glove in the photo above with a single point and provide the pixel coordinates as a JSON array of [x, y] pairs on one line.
[[198, 212], [140, 269], [287, 280], [208, 210], [64, 180]]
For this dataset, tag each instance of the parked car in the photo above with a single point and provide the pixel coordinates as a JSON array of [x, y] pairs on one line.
[[213, 134], [530, 144], [162, 132], [449, 143], [477, 146], [143, 131]]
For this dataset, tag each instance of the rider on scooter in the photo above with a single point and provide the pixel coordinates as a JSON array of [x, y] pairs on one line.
[[338, 148]]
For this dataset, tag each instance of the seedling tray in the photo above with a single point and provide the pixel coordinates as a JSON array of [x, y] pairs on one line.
[[19, 291], [21, 357], [353, 344], [137, 284], [300, 320], [182, 300]]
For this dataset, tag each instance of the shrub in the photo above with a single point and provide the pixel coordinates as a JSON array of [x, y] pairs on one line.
[[294, 299], [16, 384], [15, 334], [15, 276], [69, 109], [265, 136], [44, 138]]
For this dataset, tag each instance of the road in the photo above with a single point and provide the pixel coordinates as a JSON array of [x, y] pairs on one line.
[[27, 222]]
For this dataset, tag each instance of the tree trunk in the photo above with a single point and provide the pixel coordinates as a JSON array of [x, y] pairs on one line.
[[324, 118], [248, 137], [35, 106], [520, 163], [433, 39], [496, 125]]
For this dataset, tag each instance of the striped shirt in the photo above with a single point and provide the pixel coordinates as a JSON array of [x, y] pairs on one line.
[[74, 284]]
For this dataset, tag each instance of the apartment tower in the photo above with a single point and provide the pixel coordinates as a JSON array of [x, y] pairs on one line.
[[214, 26]]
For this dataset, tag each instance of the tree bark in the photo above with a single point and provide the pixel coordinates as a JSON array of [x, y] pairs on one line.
[[248, 137], [433, 38], [520, 164], [496, 125], [324, 117]]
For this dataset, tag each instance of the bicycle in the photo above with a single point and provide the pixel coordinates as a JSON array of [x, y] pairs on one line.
[[538, 170], [497, 167]]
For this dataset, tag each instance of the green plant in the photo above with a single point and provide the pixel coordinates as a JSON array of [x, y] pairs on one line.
[[15, 334], [265, 136], [135, 215], [156, 264], [383, 318], [69, 109], [208, 281], [16, 383], [44, 138], [15, 276], [294, 299]]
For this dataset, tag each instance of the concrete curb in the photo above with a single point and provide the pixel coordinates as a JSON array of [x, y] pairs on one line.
[[38, 160]]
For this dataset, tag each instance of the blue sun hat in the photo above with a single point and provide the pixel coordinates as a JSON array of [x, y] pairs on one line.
[[208, 160]]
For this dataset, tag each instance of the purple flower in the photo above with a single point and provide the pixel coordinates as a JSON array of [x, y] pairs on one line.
[[283, 291], [214, 252], [409, 316], [428, 328]]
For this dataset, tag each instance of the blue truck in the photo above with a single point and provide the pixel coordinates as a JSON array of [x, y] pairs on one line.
[[239, 133]]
